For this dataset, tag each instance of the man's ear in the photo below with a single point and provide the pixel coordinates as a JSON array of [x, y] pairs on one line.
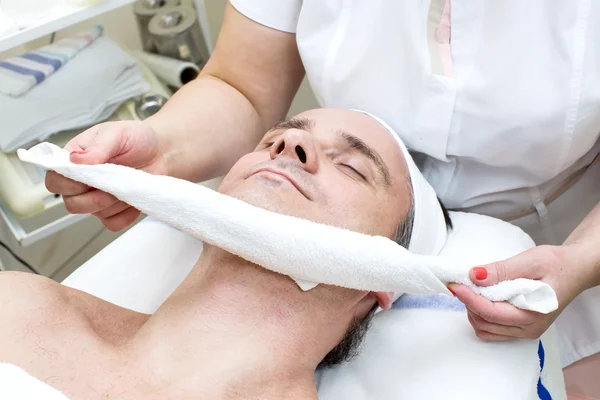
[[384, 299]]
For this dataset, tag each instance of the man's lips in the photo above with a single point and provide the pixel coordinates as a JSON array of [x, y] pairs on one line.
[[284, 175]]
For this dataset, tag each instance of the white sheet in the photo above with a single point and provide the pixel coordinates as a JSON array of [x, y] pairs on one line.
[[141, 268], [17, 384]]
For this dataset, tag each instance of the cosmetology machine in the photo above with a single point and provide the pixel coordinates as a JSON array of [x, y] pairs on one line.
[[171, 28], [177, 43]]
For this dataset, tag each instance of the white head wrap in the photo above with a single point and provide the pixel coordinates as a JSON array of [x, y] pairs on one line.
[[429, 229]]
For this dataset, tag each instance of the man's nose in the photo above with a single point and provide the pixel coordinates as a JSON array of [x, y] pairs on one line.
[[298, 145]]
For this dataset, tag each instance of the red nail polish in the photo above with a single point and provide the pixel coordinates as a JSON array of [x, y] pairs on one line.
[[480, 273], [452, 291]]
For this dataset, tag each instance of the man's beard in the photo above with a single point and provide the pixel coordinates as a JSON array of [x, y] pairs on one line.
[[350, 345]]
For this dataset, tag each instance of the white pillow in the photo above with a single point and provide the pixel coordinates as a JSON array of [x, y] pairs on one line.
[[425, 348]]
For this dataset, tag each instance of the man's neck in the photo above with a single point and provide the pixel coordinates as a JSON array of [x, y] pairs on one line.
[[233, 329]]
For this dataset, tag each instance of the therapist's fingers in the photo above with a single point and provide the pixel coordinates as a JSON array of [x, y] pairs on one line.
[[58, 184], [121, 220], [86, 148], [494, 312], [90, 202], [97, 144], [489, 336], [480, 324], [112, 210], [532, 264]]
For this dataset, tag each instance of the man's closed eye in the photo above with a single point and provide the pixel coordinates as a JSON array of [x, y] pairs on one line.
[[354, 171]]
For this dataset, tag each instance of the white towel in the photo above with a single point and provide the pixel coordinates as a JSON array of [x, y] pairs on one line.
[[429, 231], [17, 384], [301, 249], [19, 74]]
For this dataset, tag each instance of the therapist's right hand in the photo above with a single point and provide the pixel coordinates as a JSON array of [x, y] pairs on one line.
[[130, 143]]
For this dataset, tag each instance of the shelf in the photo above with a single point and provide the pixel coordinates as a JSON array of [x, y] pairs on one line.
[[67, 16]]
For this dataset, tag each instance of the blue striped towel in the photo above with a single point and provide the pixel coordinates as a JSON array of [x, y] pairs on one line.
[[19, 74]]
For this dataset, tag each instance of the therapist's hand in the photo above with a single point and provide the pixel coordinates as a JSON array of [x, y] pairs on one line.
[[130, 143], [562, 267]]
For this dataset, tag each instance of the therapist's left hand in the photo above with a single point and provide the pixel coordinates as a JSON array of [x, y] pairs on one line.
[[562, 267]]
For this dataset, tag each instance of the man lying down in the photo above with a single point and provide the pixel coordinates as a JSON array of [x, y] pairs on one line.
[[231, 329]]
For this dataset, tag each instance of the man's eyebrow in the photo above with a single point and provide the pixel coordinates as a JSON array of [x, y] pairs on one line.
[[294, 123], [360, 146]]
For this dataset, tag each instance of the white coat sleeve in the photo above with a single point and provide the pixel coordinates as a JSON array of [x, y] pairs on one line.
[[277, 14]]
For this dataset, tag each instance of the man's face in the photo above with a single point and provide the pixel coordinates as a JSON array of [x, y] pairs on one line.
[[332, 166]]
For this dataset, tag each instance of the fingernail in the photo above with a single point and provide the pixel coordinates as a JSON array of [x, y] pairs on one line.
[[452, 291], [78, 152], [480, 273]]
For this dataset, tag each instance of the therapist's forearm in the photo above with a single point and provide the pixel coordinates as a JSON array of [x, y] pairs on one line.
[[585, 240], [205, 127], [245, 87]]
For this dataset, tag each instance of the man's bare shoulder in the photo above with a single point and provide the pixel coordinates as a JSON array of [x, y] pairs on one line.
[[22, 294], [28, 300]]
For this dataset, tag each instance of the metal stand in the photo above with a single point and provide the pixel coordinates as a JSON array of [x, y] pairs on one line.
[[27, 238]]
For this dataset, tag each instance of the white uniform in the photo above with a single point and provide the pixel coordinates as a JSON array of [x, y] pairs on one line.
[[500, 99]]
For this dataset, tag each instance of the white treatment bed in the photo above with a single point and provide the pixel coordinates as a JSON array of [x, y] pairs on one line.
[[423, 348]]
